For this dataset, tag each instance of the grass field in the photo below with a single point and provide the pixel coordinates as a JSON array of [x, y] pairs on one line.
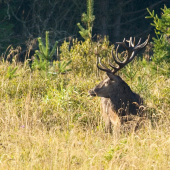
[[50, 122]]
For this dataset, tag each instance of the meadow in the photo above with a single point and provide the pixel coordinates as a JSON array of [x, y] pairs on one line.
[[50, 122]]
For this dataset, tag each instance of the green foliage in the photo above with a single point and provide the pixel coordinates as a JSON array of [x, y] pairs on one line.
[[162, 25], [60, 67], [40, 63], [11, 72], [43, 56], [161, 42], [161, 54], [85, 33], [84, 54], [87, 19], [109, 155], [129, 72]]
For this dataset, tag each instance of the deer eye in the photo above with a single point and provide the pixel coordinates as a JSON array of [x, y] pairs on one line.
[[106, 83]]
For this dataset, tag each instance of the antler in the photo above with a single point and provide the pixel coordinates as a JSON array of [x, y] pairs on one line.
[[132, 50]]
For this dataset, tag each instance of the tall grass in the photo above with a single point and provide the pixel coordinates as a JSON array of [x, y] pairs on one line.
[[50, 122]]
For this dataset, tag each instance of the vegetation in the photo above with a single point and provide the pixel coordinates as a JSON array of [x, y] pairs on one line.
[[48, 121], [52, 123], [88, 20], [116, 19], [43, 59], [161, 43]]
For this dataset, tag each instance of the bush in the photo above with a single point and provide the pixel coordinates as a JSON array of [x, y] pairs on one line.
[[161, 43], [84, 54]]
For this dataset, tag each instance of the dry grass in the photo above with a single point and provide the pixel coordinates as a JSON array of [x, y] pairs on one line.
[[51, 123], [37, 148]]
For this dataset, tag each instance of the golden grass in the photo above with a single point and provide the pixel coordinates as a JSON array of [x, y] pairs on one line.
[[36, 148], [51, 123]]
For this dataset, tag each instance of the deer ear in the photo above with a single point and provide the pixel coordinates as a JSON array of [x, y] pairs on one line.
[[111, 76]]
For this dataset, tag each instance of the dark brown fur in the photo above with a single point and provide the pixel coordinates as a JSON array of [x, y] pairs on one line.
[[117, 100]]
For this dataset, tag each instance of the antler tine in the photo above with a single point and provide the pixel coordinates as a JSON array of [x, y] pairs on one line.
[[123, 44], [114, 58], [120, 63], [104, 67], [117, 60], [141, 46], [132, 50], [111, 65], [139, 42], [134, 42], [131, 44], [138, 47]]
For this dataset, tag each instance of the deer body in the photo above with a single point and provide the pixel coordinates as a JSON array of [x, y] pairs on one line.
[[117, 99], [109, 115]]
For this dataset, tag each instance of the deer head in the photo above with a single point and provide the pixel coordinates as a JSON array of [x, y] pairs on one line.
[[114, 85]]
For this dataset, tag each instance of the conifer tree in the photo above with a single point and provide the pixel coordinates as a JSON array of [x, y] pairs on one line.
[[87, 19]]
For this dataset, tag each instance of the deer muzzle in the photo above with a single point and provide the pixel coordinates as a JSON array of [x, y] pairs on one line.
[[92, 93]]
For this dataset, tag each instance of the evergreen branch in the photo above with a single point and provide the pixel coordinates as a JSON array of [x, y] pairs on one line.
[[53, 50], [47, 43]]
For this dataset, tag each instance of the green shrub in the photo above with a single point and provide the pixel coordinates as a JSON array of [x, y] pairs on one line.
[[11, 72], [161, 43], [84, 54], [43, 56]]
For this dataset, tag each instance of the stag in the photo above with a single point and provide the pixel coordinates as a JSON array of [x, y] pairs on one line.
[[117, 99]]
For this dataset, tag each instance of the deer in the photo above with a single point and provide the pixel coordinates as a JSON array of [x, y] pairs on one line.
[[117, 98]]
